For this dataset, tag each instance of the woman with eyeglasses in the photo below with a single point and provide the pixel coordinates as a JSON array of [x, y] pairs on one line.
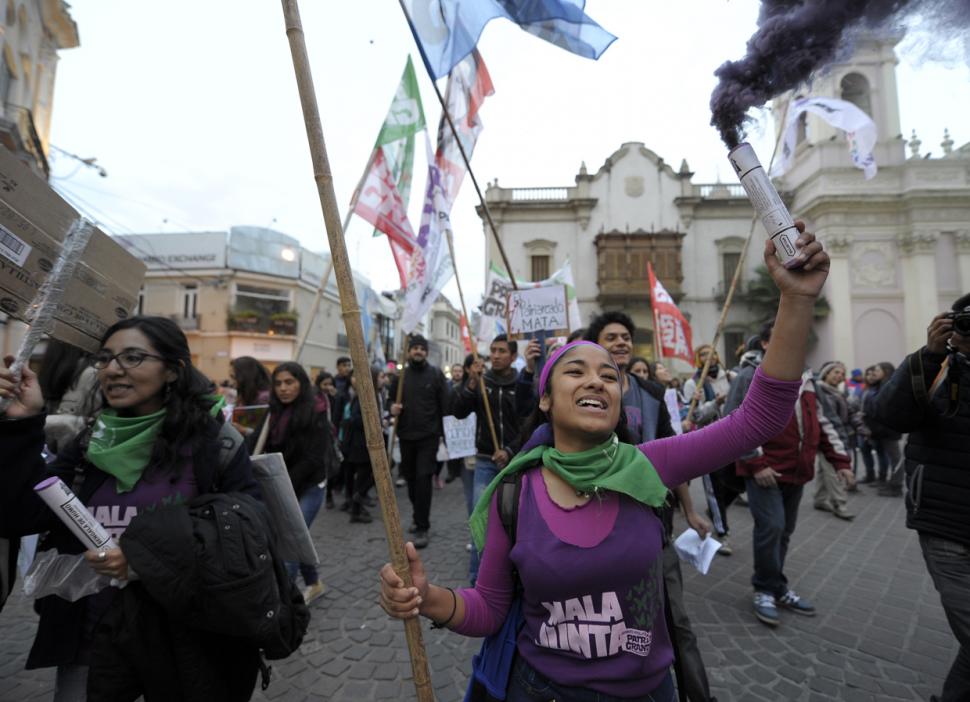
[[155, 443]]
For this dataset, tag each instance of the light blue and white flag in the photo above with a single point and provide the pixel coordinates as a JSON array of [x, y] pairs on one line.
[[447, 30], [860, 131]]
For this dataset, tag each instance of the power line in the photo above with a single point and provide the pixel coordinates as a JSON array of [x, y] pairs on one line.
[[90, 210]]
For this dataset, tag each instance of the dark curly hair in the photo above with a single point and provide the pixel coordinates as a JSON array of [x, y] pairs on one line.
[[187, 400], [601, 321]]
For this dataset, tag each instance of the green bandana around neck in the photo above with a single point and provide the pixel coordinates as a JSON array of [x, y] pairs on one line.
[[122, 446], [610, 466]]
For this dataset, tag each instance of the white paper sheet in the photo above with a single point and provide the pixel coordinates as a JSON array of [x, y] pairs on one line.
[[699, 553]]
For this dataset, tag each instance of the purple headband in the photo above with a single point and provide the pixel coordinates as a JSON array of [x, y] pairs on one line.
[[557, 354]]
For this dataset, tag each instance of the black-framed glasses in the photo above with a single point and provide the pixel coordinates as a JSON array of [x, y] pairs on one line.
[[127, 359]]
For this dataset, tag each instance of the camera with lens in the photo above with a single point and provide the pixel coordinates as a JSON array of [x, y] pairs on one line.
[[961, 321]]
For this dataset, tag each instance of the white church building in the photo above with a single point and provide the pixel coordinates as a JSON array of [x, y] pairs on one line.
[[900, 243]]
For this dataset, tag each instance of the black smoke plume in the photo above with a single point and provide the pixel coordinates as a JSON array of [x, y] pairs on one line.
[[795, 38]]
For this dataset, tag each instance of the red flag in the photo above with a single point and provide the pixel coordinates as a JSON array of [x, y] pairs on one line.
[[379, 202], [465, 335], [402, 258], [670, 326]]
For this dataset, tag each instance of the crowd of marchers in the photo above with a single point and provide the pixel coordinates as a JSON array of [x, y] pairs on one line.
[[583, 454]]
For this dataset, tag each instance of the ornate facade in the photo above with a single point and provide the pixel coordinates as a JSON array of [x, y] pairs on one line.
[[900, 243]]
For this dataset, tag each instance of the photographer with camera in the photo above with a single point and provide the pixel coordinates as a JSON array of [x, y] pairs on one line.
[[929, 397]]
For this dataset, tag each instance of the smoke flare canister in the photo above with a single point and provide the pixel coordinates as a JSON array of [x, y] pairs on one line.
[[775, 218], [66, 505]]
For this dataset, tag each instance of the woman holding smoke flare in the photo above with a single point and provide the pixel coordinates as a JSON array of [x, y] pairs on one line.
[[586, 560]]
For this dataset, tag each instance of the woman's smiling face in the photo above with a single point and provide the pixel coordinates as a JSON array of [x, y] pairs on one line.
[[134, 381], [583, 399]]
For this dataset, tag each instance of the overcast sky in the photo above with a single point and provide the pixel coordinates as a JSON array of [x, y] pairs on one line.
[[192, 108]]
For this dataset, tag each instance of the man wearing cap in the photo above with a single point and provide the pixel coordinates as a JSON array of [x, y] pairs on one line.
[[928, 397], [424, 402]]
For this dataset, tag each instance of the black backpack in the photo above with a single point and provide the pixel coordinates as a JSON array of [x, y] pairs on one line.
[[232, 584]]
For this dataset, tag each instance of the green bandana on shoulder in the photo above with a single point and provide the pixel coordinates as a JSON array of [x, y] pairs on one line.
[[610, 466], [122, 446]]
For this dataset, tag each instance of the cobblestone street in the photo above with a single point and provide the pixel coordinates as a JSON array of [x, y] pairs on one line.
[[880, 633]]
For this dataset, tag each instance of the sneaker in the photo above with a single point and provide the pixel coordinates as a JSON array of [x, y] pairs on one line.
[[413, 529], [765, 609], [843, 513], [796, 604], [400, 482], [314, 592], [742, 499], [468, 547], [420, 539], [823, 507], [725, 548]]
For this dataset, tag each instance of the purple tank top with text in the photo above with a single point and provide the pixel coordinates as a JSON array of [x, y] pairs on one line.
[[594, 617]]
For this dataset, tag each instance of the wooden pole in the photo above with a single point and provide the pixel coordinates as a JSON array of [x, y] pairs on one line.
[[464, 156], [325, 281], [734, 280], [471, 337], [355, 334]]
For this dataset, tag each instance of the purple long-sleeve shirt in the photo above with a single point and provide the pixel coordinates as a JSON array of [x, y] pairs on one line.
[[763, 414]]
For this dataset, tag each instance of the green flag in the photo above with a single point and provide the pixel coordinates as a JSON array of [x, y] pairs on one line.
[[404, 120], [406, 116]]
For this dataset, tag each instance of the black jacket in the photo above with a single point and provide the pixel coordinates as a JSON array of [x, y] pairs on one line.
[[353, 442], [425, 401], [309, 455], [511, 399], [878, 428], [60, 635], [938, 449]]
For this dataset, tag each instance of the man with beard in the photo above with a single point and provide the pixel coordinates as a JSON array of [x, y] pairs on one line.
[[928, 397], [424, 402]]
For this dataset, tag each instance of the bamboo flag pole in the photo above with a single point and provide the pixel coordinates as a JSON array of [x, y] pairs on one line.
[[734, 281], [471, 337], [461, 148], [355, 333]]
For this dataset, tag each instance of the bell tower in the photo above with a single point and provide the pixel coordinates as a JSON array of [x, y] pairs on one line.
[[866, 78]]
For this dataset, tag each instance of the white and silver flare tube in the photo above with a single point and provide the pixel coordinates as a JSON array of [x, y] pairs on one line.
[[775, 218]]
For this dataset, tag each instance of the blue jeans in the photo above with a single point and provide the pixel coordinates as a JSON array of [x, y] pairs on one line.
[[526, 684], [775, 511], [310, 502], [949, 565], [485, 472]]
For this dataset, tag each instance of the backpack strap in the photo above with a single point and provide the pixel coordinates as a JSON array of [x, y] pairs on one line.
[[230, 440], [508, 492]]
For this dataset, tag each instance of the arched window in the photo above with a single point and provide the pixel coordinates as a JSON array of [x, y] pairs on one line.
[[855, 89]]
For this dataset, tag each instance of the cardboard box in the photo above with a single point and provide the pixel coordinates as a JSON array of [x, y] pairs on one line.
[[34, 221]]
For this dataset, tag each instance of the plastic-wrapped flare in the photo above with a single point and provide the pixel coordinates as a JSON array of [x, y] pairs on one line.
[[66, 505], [775, 218]]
